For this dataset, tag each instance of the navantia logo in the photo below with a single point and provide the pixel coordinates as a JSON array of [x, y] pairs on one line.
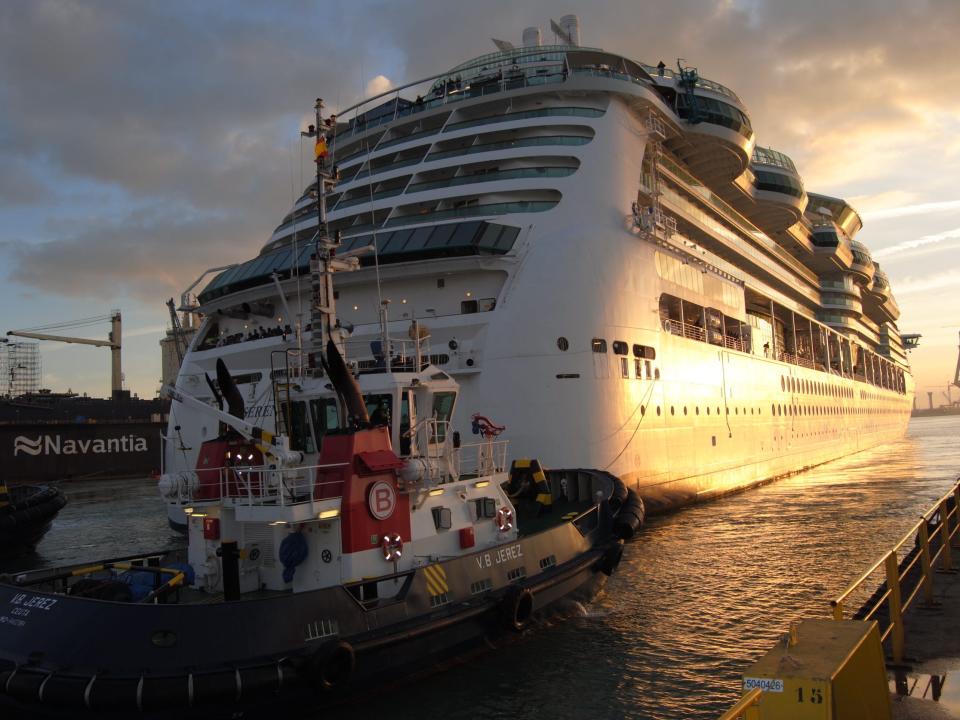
[[56, 445], [23, 444]]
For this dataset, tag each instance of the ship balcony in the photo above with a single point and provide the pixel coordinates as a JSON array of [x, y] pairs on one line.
[[862, 267], [830, 244]]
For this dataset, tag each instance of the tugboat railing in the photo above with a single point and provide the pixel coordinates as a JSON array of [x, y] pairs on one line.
[[259, 485]]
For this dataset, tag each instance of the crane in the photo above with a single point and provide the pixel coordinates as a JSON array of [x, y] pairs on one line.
[[112, 342], [956, 373]]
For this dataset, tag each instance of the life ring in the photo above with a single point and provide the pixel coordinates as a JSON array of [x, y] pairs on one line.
[[516, 608], [505, 519], [392, 546]]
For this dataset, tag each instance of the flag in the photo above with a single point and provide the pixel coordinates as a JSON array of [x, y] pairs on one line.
[[320, 148]]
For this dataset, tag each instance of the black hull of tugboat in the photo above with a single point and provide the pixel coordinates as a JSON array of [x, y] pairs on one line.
[[62, 656]]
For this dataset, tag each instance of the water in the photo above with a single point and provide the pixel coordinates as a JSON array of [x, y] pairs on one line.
[[701, 594]]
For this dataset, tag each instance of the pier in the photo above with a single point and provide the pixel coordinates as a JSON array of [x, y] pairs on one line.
[[911, 615]]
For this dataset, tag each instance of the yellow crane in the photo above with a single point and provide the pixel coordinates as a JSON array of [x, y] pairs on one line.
[[112, 342]]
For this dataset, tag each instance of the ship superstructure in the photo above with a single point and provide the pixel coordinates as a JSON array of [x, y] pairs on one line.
[[604, 259]]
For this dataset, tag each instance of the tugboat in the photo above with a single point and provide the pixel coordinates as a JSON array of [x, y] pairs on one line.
[[317, 567], [26, 514]]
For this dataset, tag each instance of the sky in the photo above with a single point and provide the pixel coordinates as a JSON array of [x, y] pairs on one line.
[[143, 142]]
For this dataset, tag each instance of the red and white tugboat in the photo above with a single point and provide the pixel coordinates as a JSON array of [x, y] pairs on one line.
[[312, 573]]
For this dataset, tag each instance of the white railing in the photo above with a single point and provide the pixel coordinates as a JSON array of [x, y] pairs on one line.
[[484, 458], [256, 485]]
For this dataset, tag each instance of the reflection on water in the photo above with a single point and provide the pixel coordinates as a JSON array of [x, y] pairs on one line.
[[698, 596]]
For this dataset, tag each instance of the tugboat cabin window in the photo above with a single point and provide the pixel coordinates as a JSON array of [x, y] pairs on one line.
[[295, 418], [442, 410], [325, 416], [599, 345], [379, 408]]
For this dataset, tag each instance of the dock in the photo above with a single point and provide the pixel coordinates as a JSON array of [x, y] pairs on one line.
[[890, 648]]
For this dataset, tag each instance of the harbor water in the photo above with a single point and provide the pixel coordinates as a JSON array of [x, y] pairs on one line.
[[698, 596]]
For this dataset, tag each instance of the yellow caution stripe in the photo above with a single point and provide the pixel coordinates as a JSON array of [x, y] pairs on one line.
[[436, 579]]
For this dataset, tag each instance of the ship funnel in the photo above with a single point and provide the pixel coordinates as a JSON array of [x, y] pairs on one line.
[[532, 37], [570, 24]]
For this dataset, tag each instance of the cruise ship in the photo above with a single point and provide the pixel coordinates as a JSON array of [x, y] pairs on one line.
[[601, 254]]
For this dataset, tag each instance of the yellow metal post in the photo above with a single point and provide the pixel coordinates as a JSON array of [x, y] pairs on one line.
[[925, 562], [837, 609], [895, 607], [945, 535]]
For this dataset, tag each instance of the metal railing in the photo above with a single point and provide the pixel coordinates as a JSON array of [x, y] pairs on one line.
[[746, 708], [904, 581]]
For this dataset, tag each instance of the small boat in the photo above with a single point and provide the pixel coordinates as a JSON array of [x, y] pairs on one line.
[[26, 514], [319, 565]]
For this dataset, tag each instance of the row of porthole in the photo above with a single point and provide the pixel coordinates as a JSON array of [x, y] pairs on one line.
[[780, 410], [815, 387]]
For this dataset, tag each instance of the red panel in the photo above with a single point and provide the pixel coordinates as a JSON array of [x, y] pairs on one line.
[[360, 530], [213, 456], [466, 537], [211, 528]]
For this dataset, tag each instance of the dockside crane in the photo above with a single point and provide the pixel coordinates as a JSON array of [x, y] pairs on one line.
[[113, 342], [956, 373]]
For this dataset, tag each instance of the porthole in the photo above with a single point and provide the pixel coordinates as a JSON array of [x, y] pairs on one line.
[[773, 409], [673, 410], [698, 410], [708, 409], [718, 409], [563, 344], [643, 409], [658, 411], [599, 345], [619, 347]]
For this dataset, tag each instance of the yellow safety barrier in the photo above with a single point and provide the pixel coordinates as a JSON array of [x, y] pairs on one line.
[[746, 709], [939, 522]]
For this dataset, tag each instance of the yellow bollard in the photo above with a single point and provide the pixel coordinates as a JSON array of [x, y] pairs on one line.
[[927, 575], [837, 609], [896, 608], [945, 536]]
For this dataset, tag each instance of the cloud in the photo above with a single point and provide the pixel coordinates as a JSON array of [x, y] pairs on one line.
[[883, 213], [378, 84], [919, 242], [937, 281]]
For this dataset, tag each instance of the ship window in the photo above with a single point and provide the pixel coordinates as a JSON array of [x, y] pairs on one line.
[[379, 408], [465, 233], [598, 345], [325, 417], [508, 237], [624, 368], [563, 344], [396, 241], [442, 410], [468, 307], [486, 304], [420, 237], [637, 368], [441, 236], [295, 418], [648, 366], [490, 235], [619, 347]]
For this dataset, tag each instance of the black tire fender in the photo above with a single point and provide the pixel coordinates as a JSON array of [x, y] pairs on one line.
[[610, 559], [516, 608], [337, 665]]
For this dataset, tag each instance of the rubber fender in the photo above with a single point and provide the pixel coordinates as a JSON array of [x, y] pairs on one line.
[[109, 693], [259, 681], [516, 608], [160, 693], [629, 518], [25, 684], [336, 666], [610, 559], [64, 691], [215, 688], [618, 495]]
